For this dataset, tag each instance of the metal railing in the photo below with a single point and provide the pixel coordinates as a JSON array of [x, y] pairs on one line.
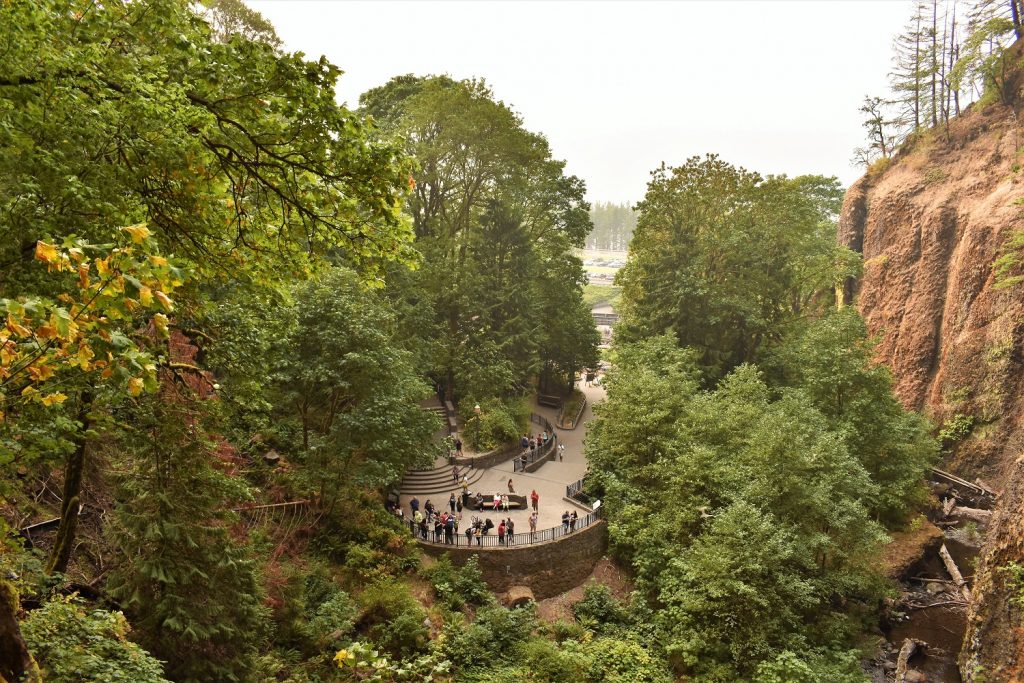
[[528, 457], [575, 492], [492, 540]]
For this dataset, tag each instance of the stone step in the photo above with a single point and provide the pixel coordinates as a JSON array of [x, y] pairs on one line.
[[442, 485]]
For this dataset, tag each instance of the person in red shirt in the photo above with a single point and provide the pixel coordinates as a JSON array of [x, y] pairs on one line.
[[535, 499]]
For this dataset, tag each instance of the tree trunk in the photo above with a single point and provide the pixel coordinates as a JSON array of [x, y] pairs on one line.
[[1015, 13], [954, 572], [16, 663], [910, 646], [71, 499], [935, 61], [982, 516]]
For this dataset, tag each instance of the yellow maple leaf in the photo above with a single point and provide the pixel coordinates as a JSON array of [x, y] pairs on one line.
[[158, 261], [146, 296], [135, 386], [138, 232], [83, 276], [53, 399], [164, 300], [40, 373], [46, 332], [160, 322], [85, 355], [16, 328], [103, 266], [47, 253]]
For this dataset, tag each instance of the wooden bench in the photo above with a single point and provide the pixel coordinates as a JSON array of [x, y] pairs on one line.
[[549, 400]]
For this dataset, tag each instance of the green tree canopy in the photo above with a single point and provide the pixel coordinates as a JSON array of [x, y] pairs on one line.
[[725, 259], [495, 218]]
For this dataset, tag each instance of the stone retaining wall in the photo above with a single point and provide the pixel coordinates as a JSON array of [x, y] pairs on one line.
[[546, 568]]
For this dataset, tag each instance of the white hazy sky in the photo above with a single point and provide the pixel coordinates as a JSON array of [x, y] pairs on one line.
[[619, 87]]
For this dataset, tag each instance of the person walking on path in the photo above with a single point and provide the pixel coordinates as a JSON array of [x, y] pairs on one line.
[[565, 522], [510, 533], [533, 524], [501, 533], [535, 499], [451, 501], [561, 452], [415, 505], [455, 474], [458, 447], [469, 535], [572, 521], [511, 489]]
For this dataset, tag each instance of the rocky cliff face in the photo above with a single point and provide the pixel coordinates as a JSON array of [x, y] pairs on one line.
[[930, 226]]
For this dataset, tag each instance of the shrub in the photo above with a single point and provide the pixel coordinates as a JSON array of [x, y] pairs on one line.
[[599, 609], [955, 429], [545, 662], [74, 645], [498, 423], [333, 620], [562, 631], [620, 660], [495, 635], [456, 587], [393, 619]]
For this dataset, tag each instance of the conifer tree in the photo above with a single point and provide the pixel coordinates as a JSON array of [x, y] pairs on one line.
[[187, 587], [909, 69]]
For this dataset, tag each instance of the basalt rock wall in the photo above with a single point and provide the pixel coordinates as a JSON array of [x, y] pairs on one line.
[[930, 226]]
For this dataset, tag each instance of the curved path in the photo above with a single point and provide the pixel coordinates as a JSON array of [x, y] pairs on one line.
[[549, 481]]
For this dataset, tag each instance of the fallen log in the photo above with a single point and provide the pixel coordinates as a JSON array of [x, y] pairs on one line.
[[910, 646], [953, 479], [944, 603], [954, 572], [982, 516]]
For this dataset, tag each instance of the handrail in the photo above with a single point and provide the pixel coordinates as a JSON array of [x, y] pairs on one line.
[[506, 452], [575, 420], [574, 491], [491, 540], [529, 457]]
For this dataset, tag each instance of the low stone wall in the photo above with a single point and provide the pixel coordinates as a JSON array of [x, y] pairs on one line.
[[490, 458], [546, 568], [575, 421]]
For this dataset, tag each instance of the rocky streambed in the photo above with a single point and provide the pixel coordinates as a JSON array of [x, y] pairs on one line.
[[934, 563]]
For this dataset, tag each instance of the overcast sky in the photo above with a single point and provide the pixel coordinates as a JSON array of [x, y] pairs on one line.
[[619, 87]]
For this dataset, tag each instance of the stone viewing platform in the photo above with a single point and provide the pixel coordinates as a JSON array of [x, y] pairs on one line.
[[551, 559]]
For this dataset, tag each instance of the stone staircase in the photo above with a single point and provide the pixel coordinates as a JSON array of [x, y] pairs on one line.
[[437, 480]]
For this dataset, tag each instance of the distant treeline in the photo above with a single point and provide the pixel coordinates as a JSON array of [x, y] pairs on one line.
[[613, 226]]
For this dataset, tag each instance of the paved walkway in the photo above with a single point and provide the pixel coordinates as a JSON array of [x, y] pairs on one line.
[[549, 481]]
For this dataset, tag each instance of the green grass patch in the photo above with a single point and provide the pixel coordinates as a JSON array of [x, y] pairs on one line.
[[601, 294]]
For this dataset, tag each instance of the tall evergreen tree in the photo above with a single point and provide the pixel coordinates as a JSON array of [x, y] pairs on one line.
[[188, 586]]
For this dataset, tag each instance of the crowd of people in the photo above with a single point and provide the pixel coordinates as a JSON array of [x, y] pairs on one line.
[[443, 526]]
